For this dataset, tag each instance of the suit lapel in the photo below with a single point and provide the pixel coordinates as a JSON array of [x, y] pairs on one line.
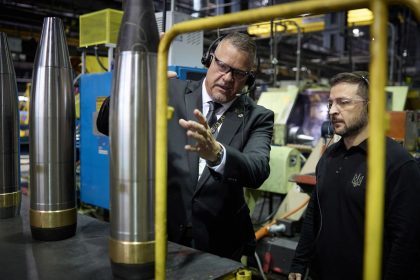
[[234, 117], [193, 100]]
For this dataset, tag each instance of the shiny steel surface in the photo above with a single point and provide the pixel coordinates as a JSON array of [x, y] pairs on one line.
[[9, 133], [52, 127], [132, 145]]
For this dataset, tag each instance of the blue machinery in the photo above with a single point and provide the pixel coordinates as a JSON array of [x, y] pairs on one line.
[[94, 147]]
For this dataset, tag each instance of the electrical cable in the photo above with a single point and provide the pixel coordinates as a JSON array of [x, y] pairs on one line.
[[99, 61], [76, 79], [260, 221], [264, 231], [261, 209], [259, 266], [164, 17]]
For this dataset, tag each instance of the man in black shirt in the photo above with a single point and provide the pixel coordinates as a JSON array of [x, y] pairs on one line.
[[331, 243]]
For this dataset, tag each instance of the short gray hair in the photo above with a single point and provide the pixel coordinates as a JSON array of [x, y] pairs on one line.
[[243, 42]]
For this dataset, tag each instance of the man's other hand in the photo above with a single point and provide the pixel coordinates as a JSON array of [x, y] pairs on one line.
[[172, 74]]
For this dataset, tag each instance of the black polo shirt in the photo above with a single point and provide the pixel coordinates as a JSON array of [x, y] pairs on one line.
[[333, 231], [341, 187]]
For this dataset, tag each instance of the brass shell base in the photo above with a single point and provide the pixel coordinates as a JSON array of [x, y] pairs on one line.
[[133, 271], [53, 225], [53, 234], [10, 204], [132, 260], [9, 212]]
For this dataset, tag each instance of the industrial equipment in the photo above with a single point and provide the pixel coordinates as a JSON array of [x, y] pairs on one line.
[[298, 116], [403, 128], [284, 162], [94, 146], [186, 49]]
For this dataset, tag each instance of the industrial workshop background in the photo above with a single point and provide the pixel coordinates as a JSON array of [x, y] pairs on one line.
[[298, 52]]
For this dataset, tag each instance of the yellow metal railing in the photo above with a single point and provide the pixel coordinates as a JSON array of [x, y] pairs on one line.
[[376, 142], [378, 66]]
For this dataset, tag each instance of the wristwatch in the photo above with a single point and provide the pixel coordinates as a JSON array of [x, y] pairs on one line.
[[219, 157]]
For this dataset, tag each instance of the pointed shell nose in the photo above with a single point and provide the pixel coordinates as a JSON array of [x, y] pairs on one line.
[[52, 50]]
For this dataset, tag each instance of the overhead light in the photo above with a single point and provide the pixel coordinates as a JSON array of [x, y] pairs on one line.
[[357, 32], [302, 69], [310, 23]]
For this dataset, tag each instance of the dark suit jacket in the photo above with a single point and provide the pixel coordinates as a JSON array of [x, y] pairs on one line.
[[215, 205]]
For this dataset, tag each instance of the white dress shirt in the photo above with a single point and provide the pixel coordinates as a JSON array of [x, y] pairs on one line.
[[205, 109]]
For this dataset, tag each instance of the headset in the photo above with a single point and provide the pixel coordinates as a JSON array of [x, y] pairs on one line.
[[208, 56]]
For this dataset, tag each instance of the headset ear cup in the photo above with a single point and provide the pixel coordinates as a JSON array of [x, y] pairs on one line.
[[206, 59], [250, 82], [207, 56]]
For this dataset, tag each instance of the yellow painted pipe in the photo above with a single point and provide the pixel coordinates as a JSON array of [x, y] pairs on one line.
[[252, 16], [413, 5], [376, 143], [161, 157]]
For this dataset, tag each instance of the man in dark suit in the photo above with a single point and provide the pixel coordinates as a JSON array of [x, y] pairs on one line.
[[206, 174], [209, 161]]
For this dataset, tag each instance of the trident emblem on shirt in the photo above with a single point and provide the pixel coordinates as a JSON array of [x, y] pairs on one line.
[[357, 180]]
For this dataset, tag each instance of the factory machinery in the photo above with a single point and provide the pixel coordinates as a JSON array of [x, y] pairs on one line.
[[300, 117], [300, 114]]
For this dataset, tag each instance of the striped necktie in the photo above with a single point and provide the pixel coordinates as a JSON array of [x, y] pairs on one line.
[[211, 115]]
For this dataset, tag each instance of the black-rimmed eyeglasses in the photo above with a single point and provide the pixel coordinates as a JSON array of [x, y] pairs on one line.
[[237, 74]]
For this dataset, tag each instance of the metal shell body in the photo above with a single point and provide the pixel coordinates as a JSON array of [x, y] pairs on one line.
[[132, 148], [132, 144], [10, 195], [132, 130], [53, 213]]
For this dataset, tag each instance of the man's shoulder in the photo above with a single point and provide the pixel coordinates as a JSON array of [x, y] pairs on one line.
[[177, 83], [332, 150], [178, 89], [258, 109], [396, 154], [335, 146]]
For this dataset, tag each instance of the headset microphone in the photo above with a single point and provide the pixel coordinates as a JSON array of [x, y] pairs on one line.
[[330, 128], [245, 92]]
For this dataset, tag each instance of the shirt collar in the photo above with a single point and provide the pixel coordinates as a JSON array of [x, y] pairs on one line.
[[341, 145], [363, 145]]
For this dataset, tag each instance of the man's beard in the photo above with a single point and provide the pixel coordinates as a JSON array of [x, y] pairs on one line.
[[356, 126]]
